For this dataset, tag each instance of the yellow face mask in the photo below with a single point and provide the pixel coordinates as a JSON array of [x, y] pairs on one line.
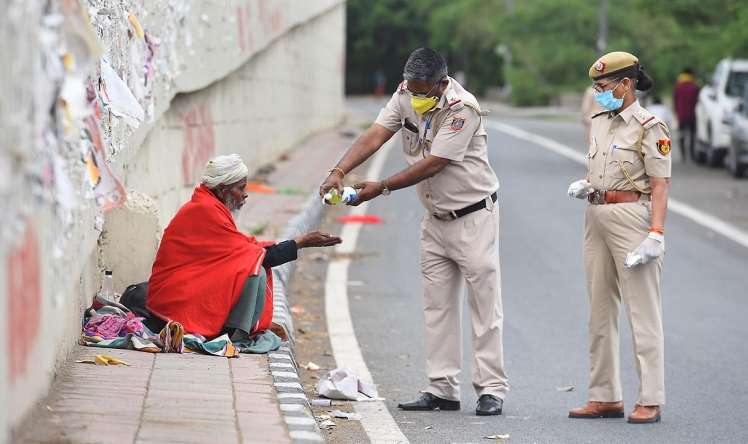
[[422, 105]]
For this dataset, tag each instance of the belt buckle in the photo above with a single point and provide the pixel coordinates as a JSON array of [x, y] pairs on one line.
[[451, 215], [490, 203], [597, 197]]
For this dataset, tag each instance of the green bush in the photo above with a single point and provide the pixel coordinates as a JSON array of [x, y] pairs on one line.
[[528, 89]]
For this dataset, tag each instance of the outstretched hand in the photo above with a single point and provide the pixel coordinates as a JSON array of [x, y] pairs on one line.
[[366, 191], [333, 181], [317, 239]]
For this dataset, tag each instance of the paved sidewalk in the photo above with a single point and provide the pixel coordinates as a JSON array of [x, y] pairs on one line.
[[190, 397], [160, 398]]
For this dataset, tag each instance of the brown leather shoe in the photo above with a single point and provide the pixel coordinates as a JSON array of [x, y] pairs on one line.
[[645, 414], [596, 409]]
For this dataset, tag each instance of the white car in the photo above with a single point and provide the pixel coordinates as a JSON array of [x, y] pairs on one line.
[[736, 160], [716, 101]]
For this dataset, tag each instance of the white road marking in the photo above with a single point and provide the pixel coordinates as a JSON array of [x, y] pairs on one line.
[[377, 421], [695, 215]]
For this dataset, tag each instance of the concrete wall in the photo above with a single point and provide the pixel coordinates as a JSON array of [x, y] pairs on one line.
[[249, 76]]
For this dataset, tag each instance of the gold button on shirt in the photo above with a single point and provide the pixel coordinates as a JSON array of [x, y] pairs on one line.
[[613, 158]]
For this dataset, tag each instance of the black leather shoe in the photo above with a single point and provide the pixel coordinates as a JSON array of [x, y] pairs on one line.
[[427, 401], [489, 405]]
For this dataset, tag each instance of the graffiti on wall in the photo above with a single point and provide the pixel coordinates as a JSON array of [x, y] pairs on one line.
[[199, 142], [270, 22], [24, 302]]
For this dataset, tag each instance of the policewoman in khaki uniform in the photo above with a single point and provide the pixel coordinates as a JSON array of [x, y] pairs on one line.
[[624, 243], [444, 143]]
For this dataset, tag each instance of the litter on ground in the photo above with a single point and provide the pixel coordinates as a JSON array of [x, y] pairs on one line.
[[343, 383], [346, 415]]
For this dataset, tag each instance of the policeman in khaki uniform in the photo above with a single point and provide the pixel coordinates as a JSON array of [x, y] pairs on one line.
[[627, 189], [444, 143]]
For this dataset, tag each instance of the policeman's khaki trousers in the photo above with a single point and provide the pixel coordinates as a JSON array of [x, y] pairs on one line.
[[453, 251], [611, 232]]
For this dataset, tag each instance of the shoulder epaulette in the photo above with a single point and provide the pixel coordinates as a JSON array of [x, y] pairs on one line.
[[645, 118], [454, 102]]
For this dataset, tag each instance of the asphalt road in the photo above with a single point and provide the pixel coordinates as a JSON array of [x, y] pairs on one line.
[[705, 294]]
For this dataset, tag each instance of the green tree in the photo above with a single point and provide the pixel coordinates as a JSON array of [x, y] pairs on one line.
[[553, 42], [380, 36]]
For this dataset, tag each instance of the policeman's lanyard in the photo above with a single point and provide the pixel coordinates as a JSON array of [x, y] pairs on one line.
[[427, 126]]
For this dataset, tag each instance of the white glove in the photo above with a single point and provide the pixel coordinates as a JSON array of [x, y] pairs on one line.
[[651, 248], [580, 189]]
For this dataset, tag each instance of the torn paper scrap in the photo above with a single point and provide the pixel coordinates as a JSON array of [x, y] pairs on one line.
[[497, 437], [311, 366], [343, 383], [64, 190], [569, 388], [118, 97], [80, 45], [73, 101], [108, 190], [346, 415], [136, 28]]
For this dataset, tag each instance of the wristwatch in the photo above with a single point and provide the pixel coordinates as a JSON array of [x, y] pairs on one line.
[[385, 189]]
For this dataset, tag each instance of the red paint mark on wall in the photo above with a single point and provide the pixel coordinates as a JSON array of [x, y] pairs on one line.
[[262, 10], [276, 21], [199, 143], [24, 302], [243, 15]]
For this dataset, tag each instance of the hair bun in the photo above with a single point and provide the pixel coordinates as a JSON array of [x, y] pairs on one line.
[[643, 81]]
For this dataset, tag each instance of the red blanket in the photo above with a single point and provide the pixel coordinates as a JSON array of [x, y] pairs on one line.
[[201, 267]]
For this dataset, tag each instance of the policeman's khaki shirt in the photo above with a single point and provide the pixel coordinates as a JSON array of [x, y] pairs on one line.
[[613, 145], [454, 131]]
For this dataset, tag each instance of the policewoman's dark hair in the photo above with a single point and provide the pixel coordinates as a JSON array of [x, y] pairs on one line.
[[637, 73]]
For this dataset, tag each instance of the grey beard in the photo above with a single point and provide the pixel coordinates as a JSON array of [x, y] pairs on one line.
[[235, 213]]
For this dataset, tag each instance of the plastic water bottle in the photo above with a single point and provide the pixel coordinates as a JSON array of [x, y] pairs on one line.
[[107, 286], [349, 195], [334, 197]]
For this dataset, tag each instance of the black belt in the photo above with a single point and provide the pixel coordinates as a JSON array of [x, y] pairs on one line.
[[456, 214]]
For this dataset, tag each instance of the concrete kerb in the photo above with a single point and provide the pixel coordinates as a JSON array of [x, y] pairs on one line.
[[294, 405]]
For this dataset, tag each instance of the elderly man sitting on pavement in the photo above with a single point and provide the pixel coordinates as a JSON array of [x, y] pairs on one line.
[[210, 277]]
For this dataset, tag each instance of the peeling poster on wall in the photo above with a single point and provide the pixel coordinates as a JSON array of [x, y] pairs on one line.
[[118, 97], [108, 191]]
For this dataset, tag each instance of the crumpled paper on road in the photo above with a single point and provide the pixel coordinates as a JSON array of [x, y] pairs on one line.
[[343, 383]]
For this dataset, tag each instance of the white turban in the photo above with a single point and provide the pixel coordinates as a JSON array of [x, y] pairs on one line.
[[224, 170]]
